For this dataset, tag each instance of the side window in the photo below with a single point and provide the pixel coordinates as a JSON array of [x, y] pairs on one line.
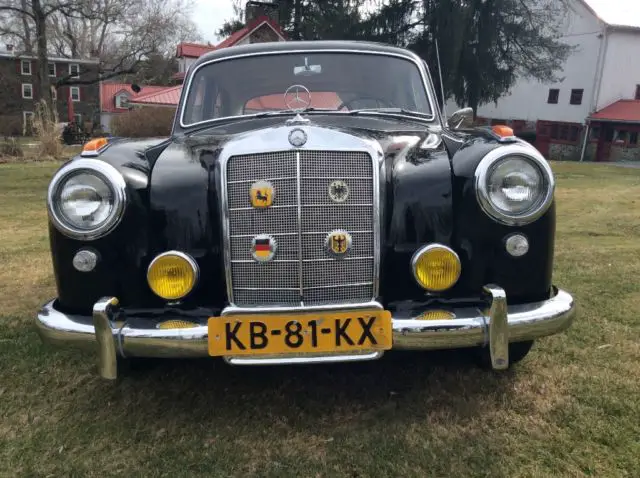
[[195, 104]]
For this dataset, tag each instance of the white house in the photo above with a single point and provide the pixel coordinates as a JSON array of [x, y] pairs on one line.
[[593, 112]]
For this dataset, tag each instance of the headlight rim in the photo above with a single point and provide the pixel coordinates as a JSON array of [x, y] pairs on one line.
[[104, 171], [183, 255], [490, 162], [424, 249]]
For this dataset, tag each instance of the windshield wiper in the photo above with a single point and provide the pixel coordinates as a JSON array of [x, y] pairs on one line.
[[280, 112], [400, 111]]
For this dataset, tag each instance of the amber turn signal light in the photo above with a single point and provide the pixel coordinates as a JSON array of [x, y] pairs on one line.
[[436, 267], [95, 145], [502, 130]]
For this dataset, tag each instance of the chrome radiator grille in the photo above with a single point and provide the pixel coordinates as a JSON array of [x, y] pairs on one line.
[[302, 272]]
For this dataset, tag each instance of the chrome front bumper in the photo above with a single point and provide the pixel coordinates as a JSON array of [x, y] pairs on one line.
[[472, 327]]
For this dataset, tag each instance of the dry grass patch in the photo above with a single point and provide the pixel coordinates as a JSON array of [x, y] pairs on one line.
[[570, 409]]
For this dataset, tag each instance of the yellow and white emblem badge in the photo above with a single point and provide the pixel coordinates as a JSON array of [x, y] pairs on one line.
[[338, 242], [262, 194]]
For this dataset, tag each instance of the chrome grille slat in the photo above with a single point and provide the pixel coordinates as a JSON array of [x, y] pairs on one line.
[[300, 219]]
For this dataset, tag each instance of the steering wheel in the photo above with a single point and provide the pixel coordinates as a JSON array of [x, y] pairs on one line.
[[347, 104]]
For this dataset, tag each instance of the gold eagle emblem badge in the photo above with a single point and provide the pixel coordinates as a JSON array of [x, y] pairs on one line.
[[338, 242], [262, 194]]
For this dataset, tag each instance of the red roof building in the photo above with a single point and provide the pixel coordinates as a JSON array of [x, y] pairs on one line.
[[163, 97], [614, 131], [261, 29], [622, 111], [117, 98]]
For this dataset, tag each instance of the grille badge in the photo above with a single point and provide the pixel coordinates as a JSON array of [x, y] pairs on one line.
[[339, 191], [262, 194], [263, 248], [338, 242], [297, 137]]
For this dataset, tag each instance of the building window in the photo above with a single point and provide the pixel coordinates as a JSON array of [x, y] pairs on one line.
[[75, 93], [574, 133], [27, 91], [576, 97], [595, 133], [25, 67], [633, 138], [122, 101], [637, 92], [554, 94], [620, 136], [52, 69], [74, 70], [27, 123]]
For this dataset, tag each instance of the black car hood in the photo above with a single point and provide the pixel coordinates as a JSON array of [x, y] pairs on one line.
[[385, 130]]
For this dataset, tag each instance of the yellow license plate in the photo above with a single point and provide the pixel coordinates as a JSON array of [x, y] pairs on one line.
[[317, 332]]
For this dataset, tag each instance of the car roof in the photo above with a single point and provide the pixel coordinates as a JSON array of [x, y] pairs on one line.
[[292, 46]]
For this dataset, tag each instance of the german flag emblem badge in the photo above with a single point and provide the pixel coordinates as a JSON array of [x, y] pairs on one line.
[[262, 194], [263, 248], [338, 242]]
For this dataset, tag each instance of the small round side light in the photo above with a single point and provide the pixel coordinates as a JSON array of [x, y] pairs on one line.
[[85, 260], [517, 245]]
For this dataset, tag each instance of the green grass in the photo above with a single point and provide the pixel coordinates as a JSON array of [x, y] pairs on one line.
[[570, 409]]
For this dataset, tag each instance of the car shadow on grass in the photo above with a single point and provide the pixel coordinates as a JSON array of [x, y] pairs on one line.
[[400, 386]]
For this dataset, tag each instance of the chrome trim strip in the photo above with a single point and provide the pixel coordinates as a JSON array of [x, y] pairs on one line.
[[307, 359], [356, 258], [487, 164], [325, 232], [353, 284], [251, 208], [409, 56], [469, 329], [233, 310], [241, 181], [299, 199], [288, 206], [335, 177], [114, 180], [249, 261], [273, 234], [267, 288]]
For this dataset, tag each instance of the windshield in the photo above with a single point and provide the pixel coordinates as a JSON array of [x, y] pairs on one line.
[[339, 82]]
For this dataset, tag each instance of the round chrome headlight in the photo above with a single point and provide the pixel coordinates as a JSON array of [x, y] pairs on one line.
[[514, 184], [86, 199]]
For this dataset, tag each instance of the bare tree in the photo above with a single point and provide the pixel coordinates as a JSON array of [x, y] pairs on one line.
[[121, 34]]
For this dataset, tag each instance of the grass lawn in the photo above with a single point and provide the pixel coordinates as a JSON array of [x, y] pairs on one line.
[[572, 408]]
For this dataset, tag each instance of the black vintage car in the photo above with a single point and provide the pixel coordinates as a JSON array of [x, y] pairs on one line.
[[310, 206]]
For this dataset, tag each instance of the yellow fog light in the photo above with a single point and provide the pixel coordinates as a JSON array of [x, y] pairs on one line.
[[436, 315], [172, 275], [176, 324], [436, 267]]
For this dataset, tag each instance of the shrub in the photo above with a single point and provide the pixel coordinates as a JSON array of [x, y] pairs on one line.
[[144, 122], [11, 147], [11, 125], [47, 131]]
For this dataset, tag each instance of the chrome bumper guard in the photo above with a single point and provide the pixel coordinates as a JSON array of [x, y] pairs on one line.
[[471, 327]]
